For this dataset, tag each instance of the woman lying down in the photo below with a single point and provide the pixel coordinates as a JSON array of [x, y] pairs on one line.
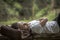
[[40, 26], [36, 26]]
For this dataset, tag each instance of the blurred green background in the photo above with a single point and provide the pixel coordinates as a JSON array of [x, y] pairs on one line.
[[26, 10]]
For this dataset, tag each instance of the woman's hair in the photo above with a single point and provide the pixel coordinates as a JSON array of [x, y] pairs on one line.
[[19, 25], [14, 25]]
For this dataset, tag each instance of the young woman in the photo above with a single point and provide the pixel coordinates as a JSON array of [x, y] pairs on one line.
[[36, 26], [39, 26]]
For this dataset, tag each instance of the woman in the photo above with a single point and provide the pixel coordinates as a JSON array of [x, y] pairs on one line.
[[36, 26], [39, 26]]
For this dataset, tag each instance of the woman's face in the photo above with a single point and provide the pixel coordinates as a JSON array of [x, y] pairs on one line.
[[23, 25]]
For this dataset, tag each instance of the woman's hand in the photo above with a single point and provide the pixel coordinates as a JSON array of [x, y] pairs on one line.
[[43, 21]]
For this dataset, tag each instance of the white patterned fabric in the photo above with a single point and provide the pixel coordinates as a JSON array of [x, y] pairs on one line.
[[50, 27], [36, 27]]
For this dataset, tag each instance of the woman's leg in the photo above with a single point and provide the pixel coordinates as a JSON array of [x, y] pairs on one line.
[[14, 34]]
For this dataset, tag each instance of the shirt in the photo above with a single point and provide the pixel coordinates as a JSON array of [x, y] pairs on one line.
[[36, 27], [50, 27]]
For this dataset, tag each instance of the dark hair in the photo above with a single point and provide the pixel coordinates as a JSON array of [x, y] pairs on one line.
[[14, 25]]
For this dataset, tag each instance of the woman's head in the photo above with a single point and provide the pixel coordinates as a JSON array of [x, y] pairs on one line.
[[14, 25], [22, 25]]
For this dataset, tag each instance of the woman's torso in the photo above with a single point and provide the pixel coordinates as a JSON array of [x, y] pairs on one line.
[[50, 27]]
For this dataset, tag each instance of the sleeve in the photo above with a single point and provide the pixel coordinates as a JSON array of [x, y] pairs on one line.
[[53, 27]]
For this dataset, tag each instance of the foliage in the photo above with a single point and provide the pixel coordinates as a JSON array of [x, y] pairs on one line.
[[42, 12], [36, 9], [46, 12], [11, 10]]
